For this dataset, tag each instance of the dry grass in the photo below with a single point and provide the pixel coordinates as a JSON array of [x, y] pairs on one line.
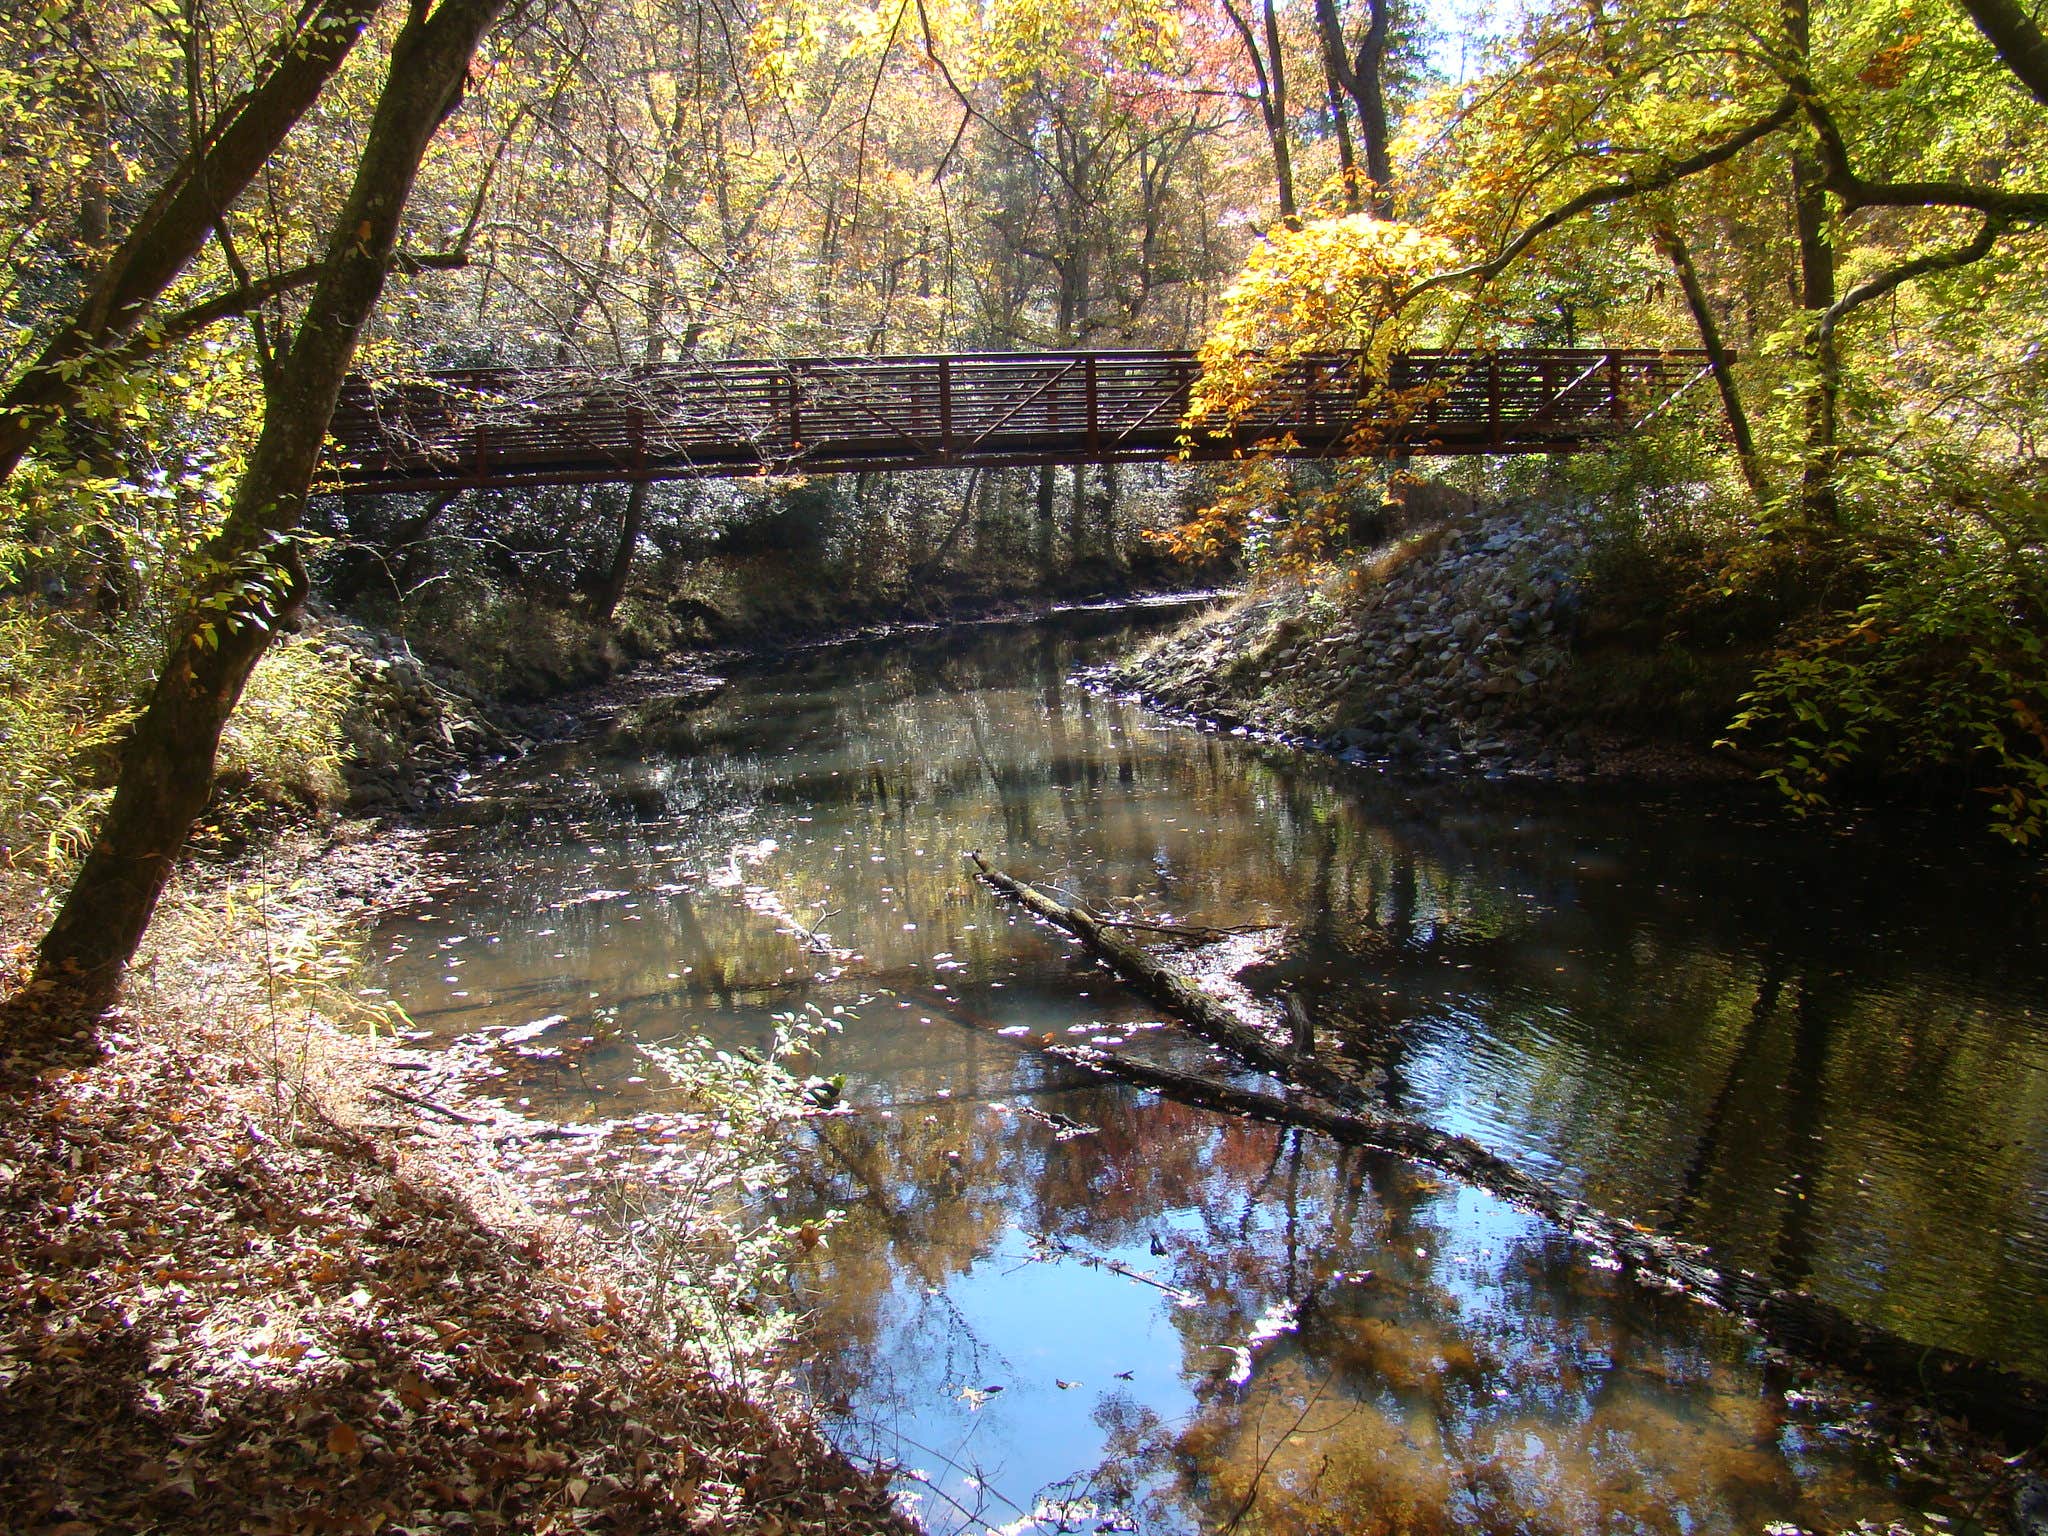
[[233, 1299], [1384, 563]]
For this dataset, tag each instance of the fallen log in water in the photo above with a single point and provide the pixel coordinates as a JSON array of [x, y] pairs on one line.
[[1177, 994], [1987, 1395]]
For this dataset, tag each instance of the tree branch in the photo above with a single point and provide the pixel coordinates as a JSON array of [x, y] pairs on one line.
[[1876, 287], [1839, 175], [1669, 174], [184, 212], [156, 335], [2020, 43]]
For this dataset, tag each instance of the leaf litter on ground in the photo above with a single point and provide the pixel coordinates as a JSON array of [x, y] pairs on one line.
[[232, 1301]]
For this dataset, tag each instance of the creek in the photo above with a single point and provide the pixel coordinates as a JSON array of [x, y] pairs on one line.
[[1822, 1053]]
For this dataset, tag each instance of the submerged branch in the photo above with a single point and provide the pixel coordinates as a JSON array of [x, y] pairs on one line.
[[1176, 993], [1992, 1397]]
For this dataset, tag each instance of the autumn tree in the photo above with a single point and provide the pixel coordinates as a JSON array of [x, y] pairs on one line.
[[224, 149], [255, 580]]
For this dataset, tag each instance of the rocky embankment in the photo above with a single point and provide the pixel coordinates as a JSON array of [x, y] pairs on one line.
[[414, 729], [1441, 652], [417, 728]]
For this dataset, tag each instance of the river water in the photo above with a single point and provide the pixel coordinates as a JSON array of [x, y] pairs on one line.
[[1050, 1300]]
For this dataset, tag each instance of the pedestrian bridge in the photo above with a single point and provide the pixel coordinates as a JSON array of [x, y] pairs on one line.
[[510, 427]]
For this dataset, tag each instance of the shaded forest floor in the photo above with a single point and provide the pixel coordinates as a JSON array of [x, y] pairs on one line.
[[237, 1295]]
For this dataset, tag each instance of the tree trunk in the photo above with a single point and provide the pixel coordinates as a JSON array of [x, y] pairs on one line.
[[258, 581], [1276, 117], [606, 591], [1817, 499], [1992, 1397], [1370, 72], [1046, 526], [1816, 295], [1112, 498], [179, 219], [1269, 74], [1331, 33], [1363, 79], [1675, 250], [1194, 1007], [1077, 515]]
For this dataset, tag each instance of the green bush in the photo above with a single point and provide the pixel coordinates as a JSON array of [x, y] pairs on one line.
[[67, 695], [1940, 668], [284, 740], [63, 710]]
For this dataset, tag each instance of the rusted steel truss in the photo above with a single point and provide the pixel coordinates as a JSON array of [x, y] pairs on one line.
[[504, 427]]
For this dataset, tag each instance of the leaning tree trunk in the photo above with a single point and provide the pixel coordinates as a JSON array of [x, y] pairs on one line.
[[183, 213], [2019, 40], [609, 586], [257, 579], [1719, 359]]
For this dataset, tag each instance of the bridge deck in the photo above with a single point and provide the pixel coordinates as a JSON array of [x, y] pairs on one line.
[[500, 427]]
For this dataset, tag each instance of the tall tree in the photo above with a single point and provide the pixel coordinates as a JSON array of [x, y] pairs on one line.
[[1363, 78], [255, 578], [1259, 35]]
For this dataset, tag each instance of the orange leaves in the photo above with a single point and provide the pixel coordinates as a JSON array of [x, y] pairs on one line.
[[1887, 68]]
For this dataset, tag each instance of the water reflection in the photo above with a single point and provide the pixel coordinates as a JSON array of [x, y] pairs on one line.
[[1822, 1057]]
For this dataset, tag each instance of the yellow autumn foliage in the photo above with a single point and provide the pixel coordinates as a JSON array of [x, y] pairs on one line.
[[1334, 284]]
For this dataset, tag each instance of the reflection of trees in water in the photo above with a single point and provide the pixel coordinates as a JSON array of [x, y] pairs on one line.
[[1447, 1373], [1663, 1011], [1510, 1392]]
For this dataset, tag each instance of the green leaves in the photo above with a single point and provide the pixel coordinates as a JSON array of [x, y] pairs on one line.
[[1941, 669]]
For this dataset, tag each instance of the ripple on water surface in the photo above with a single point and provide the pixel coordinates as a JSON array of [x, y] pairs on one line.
[[1062, 1300]]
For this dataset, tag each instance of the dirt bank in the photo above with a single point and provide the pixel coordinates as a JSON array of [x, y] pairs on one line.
[[1450, 650]]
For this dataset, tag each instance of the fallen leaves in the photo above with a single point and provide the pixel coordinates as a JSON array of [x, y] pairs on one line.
[[221, 1313]]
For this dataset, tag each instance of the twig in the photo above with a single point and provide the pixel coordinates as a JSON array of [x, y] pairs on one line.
[[1115, 1266], [1251, 1494], [428, 1105]]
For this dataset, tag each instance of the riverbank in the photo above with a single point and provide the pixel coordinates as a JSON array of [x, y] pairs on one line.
[[643, 894], [1454, 649], [1650, 1002], [239, 1290]]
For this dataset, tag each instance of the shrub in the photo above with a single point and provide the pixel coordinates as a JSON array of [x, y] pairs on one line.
[[284, 740], [1940, 668], [63, 711]]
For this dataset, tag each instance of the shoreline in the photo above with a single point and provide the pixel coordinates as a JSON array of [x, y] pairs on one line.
[[242, 1286]]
